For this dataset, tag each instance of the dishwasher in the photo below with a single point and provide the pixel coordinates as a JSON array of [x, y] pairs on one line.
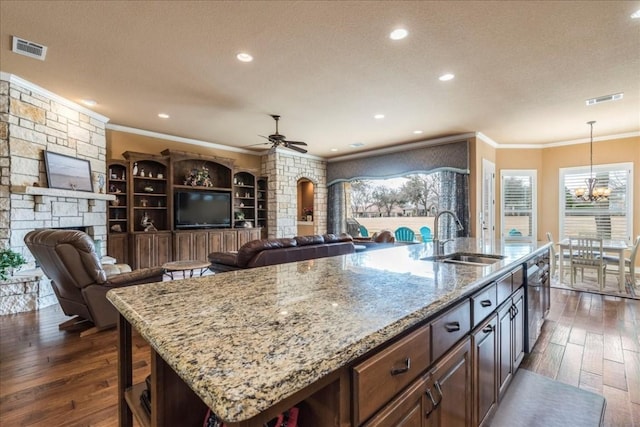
[[538, 297]]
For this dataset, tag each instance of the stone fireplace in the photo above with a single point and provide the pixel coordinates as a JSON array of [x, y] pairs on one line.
[[33, 120]]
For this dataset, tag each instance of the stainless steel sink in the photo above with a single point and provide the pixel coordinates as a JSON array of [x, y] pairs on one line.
[[481, 260]]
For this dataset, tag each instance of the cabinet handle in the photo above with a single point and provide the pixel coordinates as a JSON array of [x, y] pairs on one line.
[[485, 303], [405, 368], [452, 326], [516, 311], [439, 390], [433, 403], [487, 329]]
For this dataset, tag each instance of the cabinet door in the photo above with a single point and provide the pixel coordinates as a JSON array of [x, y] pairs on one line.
[[143, 251], [244, 236], [117, 247], [200, 249], [407, 410], [182, 247], [450, 388], [215, 242], [518, 329], [504, 346], [162, 248], [485, 369], [229, 240]]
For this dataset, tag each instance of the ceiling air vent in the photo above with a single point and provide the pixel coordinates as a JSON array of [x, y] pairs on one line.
[[30, 49], [598, 100]]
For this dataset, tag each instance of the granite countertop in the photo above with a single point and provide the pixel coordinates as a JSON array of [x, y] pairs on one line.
[[245, 340]]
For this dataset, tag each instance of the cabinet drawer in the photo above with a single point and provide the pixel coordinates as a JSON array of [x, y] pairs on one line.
[[504, 289], [383, 375], [449, 328], [483, 303]]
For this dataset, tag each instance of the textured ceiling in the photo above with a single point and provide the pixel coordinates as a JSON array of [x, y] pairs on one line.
[[523, 69]]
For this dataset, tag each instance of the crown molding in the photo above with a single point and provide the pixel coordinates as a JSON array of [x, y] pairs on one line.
[[13, 79]]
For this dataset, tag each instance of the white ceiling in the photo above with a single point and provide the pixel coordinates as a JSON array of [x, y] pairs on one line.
[[523, 69]]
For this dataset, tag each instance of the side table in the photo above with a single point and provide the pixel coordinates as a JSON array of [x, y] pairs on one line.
[[184, 266]]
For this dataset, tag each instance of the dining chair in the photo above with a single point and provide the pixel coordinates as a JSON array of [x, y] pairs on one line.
[[584, 252], [425, 233], [629, 263], [557, 258]]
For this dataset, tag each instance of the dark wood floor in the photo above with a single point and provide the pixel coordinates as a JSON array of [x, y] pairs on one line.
[[53, 378]]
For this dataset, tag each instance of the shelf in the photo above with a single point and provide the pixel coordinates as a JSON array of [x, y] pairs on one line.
[[55, 192], [132, 397], [148, 178], [117, 207], [243, 186], [150, 194], [149, 207], [191, 187]]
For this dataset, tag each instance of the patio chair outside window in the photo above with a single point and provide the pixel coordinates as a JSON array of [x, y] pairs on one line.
[[425, 232], [405, 234], [363, 231]]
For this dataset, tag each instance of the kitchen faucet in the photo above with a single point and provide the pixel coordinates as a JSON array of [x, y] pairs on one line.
[[438, 246]]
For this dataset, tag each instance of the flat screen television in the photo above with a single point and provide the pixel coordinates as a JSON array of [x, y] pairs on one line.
[[202, 209]]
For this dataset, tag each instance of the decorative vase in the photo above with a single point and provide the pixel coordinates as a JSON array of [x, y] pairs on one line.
[[135, 169]]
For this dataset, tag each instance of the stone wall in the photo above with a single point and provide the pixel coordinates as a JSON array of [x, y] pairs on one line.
[[26, 291], [284, 169], [33, 120]]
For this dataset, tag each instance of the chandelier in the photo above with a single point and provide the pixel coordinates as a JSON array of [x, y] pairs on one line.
[[592, 193]]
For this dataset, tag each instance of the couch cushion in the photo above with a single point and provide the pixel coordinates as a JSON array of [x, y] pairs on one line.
[[309, 240], [249, 250]]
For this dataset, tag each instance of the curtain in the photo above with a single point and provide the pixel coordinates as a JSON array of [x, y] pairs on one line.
[[337, 212], [454, 196]]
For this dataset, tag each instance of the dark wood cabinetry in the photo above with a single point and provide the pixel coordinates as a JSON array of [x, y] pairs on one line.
[[407, 410], [145, 187], [485, 369], [450, 388], [261, 201], [510, 338], [151, 249]]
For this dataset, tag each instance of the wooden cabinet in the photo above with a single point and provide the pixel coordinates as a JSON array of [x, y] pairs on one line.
[[118, 247], [450, 388], [449, 328], [382, 376], [148, 195], [247, 235], [407, 410], [510, 339], [485, 370], [151, 249]]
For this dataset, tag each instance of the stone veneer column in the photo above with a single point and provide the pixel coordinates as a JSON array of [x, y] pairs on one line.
[[284, 169], [33, 120]]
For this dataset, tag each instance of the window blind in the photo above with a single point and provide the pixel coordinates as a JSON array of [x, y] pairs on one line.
[[609, 218], [519, 219]]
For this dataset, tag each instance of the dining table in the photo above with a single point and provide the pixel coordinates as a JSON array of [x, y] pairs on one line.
[[609, 246]]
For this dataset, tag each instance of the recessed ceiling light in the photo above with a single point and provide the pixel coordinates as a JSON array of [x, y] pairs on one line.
[[635, 15], [334, 149], [89, 102], [378, 116], [356, 144], [417, 132], [163, 115], [244, 57], [446, 77], [398, 34]]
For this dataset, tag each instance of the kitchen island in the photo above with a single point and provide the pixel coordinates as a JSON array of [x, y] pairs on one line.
[[249, 344]]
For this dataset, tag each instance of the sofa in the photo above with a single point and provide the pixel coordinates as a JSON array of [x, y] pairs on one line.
[[262, 252]]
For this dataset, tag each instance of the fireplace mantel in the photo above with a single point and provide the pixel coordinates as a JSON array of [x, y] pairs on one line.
[[56, 192]]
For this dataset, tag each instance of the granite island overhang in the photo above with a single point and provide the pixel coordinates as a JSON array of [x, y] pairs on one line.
[[246, 340]]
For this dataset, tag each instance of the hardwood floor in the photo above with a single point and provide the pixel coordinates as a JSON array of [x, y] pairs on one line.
[[54, 378]]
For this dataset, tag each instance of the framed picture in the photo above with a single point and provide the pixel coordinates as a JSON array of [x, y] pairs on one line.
[[68, 173]]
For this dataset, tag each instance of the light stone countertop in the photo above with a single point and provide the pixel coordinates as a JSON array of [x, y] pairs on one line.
[[246, 340]]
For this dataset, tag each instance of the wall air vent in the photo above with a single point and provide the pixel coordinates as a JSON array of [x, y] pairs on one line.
[[598, 100], [30, 49]]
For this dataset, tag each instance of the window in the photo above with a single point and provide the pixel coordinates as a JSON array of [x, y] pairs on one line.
[[519, 205], [611, 218]]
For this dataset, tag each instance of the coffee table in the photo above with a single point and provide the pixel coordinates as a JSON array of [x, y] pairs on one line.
[[184, 266]]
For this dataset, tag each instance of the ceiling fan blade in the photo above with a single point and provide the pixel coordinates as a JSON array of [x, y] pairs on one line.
[[259, 143], [296, 142], [295, 148]]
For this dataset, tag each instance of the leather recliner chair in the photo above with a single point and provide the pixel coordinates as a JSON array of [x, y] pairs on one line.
[[69, 259]]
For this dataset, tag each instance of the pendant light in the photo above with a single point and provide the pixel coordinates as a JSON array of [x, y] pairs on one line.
[[592, 193]]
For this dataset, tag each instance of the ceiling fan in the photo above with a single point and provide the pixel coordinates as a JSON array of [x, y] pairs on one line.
[[278, 139]]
